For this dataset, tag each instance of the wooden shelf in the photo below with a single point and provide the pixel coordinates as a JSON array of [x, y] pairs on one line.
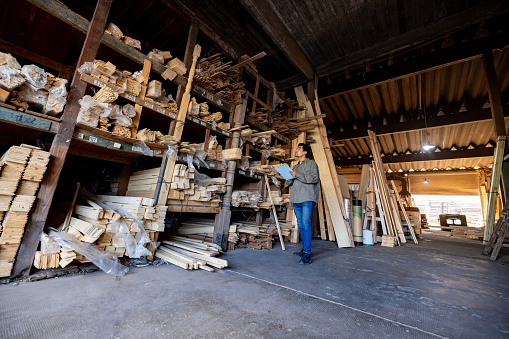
[[259, 150], [208, 125], [129, 96], [251, 209], [104, 139], [29, 119], [247, 174], [213, 165], [264, 128], [192, 207]]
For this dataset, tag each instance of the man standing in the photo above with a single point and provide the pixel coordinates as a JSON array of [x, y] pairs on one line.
[[304, 197]]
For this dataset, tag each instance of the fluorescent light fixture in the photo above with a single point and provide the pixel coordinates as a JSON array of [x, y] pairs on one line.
[[427, 146], [425, 181]]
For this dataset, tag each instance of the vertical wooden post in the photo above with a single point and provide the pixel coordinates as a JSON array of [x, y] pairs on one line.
[[147, 65], [192, 37], [60, 145], [206, 141], [222, 222], [124, 179], [497, 113], [263, 193]]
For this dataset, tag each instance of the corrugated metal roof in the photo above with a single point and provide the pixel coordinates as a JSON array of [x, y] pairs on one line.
[[449, 90]]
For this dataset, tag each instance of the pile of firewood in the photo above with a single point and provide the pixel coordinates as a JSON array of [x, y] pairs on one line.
[[261, 115], [213, 75]]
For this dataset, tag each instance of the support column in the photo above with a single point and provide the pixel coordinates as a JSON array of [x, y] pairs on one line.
[[61, 144], [124, 178], [192, 37], [497, 113], [222, 223]]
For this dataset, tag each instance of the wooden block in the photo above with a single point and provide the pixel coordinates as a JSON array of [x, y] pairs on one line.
[[4, 95], [232, 154]]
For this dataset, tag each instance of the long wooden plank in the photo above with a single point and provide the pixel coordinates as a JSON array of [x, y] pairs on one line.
[[147, 65], [61, 144], [269, 193], [321, 219], [403, 211], [498, 159], [328, 176], [162, 189]]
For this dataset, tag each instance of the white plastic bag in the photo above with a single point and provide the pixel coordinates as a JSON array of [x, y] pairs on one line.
[[104, 260], [36, 77], [61, 90], [129, 111], [10, 78]]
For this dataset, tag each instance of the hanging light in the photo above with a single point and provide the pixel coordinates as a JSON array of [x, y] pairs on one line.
[[428, 146], [425, 181]]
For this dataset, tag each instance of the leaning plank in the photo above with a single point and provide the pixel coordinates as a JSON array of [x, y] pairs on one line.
[[187, 247]]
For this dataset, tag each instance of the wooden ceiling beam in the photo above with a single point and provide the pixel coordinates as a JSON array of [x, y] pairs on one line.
[[439, 28], [459, 118], [275, 28], [425, 63], [32, 56], [423, 156]]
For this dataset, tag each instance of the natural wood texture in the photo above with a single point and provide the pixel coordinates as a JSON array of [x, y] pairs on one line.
[[403, 211], [498, 235], [61, 143], [124, 178], [274, 212], [147, 65], [162, 189], [321, 218], [222, 223], [328, 175], [494, 186], [278, 32], [497, 110]]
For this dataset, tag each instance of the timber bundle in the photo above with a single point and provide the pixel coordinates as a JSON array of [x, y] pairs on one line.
[[22, 170], [31, 87], [213, 75]]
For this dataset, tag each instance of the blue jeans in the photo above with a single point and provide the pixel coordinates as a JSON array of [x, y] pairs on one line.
[[303, 212]]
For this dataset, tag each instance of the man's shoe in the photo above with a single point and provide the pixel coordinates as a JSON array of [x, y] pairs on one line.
[[306, 259], [299, 254]]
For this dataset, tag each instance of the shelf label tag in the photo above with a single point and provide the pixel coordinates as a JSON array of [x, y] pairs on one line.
[[117, 145], [149, 105], [130, 97], [80, 135], [137, 149], [161, 110], [92, 139]]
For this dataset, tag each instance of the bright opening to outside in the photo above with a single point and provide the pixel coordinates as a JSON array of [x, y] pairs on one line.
[[434, 205]]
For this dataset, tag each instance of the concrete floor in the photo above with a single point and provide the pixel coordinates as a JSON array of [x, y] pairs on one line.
[[439, 288]]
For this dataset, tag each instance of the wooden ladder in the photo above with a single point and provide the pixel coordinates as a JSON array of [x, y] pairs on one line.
[[498, 235]]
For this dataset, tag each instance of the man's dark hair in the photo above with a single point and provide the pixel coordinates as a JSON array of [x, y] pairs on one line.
[[306, 148]]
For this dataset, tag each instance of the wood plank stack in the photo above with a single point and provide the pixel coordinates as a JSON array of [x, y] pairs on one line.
[[189, 253], [212, 74], [247, 234], [22, 170], [261, 115], [93, 224], [244, 198]]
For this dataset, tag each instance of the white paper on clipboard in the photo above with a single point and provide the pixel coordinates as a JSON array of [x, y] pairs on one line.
[[284, 170]]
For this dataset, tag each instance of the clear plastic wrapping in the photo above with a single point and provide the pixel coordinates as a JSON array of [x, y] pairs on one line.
[[200, 179], [37, 97], [135, 246], [122, 120], [9, 60], [265, 153], [36, 77], [90, 110], [10, 78], [60, 90], [55, 104], [129, 111], [244, 163], [86, 68], [144, 148], [104, 260], [172, 152]]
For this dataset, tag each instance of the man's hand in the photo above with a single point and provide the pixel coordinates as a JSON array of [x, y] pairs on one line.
[[293, 173]]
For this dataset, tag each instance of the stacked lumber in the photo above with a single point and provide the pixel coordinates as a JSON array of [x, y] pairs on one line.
[[291, 128], [156, 136], [244, 198], [214, 150], [93, 224], [386, 198], [30, 87], [477, 234], [143, 183], [261, 115], [22, 170], [44, 261], [177, 66], [201, 110], [189, 253], [232, 154], [246, 234], [213, 75], [278, 151]]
